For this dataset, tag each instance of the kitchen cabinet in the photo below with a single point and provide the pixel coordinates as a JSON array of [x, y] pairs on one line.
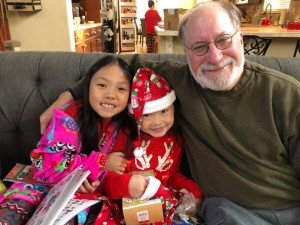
[[88, 39], [4, 26], [127, 13], [92, 8]]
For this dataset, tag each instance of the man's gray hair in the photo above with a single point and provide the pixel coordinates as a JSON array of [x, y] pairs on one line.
[[233, 12]]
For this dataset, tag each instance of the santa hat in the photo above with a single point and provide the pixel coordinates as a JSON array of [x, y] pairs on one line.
[[149, 93]]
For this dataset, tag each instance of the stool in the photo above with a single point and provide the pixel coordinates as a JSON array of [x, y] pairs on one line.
[[255, 45], [297, 49]]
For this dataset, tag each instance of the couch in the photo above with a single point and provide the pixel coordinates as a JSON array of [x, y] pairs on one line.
[[31, 81]]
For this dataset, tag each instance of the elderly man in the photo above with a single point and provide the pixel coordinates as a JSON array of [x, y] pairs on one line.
[[240, 122]]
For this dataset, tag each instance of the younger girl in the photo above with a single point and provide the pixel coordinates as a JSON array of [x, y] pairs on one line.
[[158, 149], [91, 133]]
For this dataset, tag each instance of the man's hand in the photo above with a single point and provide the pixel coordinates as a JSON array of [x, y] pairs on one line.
[[46, 116]]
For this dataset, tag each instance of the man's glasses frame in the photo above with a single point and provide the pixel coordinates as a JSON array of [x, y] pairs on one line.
[[222, 42]]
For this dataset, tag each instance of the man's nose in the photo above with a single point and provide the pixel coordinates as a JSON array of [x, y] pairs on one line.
[[214, 55]]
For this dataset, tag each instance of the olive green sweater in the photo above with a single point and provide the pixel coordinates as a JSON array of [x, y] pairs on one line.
[[242, 144]]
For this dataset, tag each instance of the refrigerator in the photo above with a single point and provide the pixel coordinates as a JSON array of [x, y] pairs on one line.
[[127, 16], [109, 20], [119, 30]]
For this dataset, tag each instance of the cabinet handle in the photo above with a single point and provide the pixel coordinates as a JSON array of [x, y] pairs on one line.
[[77, 37], [83, 47], [87, 34], [94, 32]]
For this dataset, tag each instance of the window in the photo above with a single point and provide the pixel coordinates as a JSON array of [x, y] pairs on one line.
[[277, 4]]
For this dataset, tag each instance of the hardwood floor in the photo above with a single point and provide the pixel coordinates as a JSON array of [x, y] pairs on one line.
[[140, 48]]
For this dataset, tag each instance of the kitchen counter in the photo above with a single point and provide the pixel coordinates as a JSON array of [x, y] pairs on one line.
[[270, 31], [282, 38], [86, 26]]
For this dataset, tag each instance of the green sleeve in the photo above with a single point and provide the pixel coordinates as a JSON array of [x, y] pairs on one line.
[[167, 68], [139, 61]]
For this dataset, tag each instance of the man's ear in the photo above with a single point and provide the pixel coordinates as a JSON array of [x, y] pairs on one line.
[[242, 42]]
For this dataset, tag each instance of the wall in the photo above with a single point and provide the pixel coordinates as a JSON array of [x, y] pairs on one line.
[[47, 30]]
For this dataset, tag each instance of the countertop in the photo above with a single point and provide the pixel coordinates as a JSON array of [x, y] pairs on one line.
[[262, 31], [86, 26]]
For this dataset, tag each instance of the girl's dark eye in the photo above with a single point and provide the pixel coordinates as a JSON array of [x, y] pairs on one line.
[[164, 111], [146, 115], [101, 85]]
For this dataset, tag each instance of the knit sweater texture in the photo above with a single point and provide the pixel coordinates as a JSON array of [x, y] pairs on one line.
[[162, 158]]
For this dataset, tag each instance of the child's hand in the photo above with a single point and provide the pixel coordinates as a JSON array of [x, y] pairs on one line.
[[198, 201], [116, 162], [88, 187], [187, 202], [137, 186]]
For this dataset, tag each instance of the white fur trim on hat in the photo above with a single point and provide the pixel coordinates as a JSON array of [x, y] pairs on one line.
[[158, 104], [152, 188]]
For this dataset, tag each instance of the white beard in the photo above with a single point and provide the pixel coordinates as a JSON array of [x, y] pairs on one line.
[[219, 82]]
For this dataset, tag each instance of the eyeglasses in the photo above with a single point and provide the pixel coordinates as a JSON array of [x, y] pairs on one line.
[[222, 42]]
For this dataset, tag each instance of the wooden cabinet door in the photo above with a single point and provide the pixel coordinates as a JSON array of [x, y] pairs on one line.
[[93, 35], [4, 28], [99, 44], [79, 47], [88, 40], [87, 47], [92, 8]]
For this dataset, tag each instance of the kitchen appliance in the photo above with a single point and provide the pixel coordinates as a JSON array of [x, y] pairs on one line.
[[24, 5], [109, 20]]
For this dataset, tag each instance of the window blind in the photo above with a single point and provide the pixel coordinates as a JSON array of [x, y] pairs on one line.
[[277, 4]]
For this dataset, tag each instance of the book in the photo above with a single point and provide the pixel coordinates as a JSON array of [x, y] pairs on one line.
[[59, 206], [23, 173]]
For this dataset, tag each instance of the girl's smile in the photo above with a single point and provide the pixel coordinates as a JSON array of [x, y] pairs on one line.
[[109, 91]]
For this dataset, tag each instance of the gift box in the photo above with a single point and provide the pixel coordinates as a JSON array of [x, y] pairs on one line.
[[138, 211], [172, 17]]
